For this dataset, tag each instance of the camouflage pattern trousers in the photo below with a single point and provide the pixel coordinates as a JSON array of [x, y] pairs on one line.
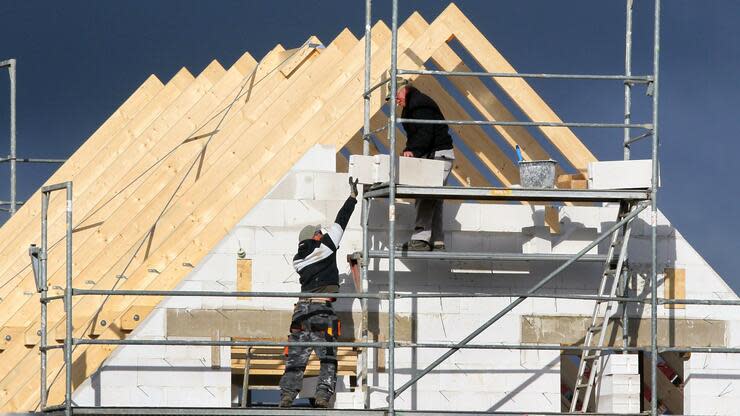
[[312, 322]]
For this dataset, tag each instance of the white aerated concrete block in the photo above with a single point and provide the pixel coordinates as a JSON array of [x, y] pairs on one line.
[[299, 213], [115, 396], [620, 174], [619, 385], [411, 170], [318, 158], [536, 240], [624, 364], [268, 212], [124, 376], [574, 240], [505, 218], [619, 404], [331, 186], [461, 216]]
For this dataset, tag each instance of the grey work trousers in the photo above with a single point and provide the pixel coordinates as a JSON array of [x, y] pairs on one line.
[[429, 221], [311, 323]]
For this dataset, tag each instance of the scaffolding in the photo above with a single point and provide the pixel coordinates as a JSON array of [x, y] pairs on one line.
[[641, 200], [12, 204]]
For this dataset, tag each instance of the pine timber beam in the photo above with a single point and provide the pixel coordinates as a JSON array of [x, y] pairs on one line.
[[491, 60], [17, 257], [12, 242], [294, 58], [151, 138]]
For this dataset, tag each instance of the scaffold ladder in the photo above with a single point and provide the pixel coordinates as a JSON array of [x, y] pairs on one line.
[[588, 368]]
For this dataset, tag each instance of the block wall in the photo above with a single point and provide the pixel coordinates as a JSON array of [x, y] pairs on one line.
[[502, 380]]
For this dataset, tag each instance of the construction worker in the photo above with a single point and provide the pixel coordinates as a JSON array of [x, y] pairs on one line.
[[313, 317], [429, 141]]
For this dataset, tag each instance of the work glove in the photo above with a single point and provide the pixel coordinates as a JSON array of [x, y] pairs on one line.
[[353, 187]]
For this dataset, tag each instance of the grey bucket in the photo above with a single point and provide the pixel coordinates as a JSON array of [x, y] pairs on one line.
[[537, 173]]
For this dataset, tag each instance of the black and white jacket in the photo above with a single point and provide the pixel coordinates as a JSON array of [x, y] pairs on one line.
[[316, 261]]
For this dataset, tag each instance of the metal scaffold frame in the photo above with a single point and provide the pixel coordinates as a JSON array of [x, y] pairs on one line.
[[12, 157], [641, 199]]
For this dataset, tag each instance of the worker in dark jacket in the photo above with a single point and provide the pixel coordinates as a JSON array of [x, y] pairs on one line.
[[429, 141], [314, 319]]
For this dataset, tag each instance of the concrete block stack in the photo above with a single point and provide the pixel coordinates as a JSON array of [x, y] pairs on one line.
[[619, 387]]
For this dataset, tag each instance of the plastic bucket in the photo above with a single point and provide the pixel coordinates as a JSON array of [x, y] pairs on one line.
[[537, 173]]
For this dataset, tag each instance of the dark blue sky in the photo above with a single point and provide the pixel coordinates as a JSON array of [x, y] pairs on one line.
[[78, 61]]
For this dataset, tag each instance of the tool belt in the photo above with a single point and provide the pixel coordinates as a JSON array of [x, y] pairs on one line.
[[331, 325]]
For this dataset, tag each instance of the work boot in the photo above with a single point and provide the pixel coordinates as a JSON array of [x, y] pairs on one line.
[[322, 402], [439, 246], [415, 245], [286, 400]]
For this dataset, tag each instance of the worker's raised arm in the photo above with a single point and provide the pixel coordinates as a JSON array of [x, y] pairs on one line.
[[336, 230]]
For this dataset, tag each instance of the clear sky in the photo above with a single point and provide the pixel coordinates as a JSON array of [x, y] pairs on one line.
[[78, 61]]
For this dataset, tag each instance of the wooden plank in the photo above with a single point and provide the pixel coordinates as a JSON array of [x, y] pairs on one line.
[[219, 175], [271, 361], [132, 317], [552, 219], [244, 275], [298, 57], [10, 333], [17, 254], [674, 286], [491, 60], [147, 147], [28, 214]]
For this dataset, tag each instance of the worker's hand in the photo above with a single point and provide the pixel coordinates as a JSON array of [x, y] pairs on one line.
[[353, 187], [407, 153]]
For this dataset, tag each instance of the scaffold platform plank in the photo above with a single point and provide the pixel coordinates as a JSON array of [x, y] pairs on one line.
[[509, 194], [295, 411], [447, 255]]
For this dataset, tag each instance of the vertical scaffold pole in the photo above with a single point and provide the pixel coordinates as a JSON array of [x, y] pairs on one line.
[[627, 120], [368, 57], [11, 73], [627, 72], [68, 307], [392, 216], [42, 280], [365, 208], [654, 220]]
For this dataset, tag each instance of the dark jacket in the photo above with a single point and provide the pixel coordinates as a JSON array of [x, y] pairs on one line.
[[424, 139], [316, 261]]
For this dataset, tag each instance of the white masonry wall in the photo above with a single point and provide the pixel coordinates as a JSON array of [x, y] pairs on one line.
[[500, 380]]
